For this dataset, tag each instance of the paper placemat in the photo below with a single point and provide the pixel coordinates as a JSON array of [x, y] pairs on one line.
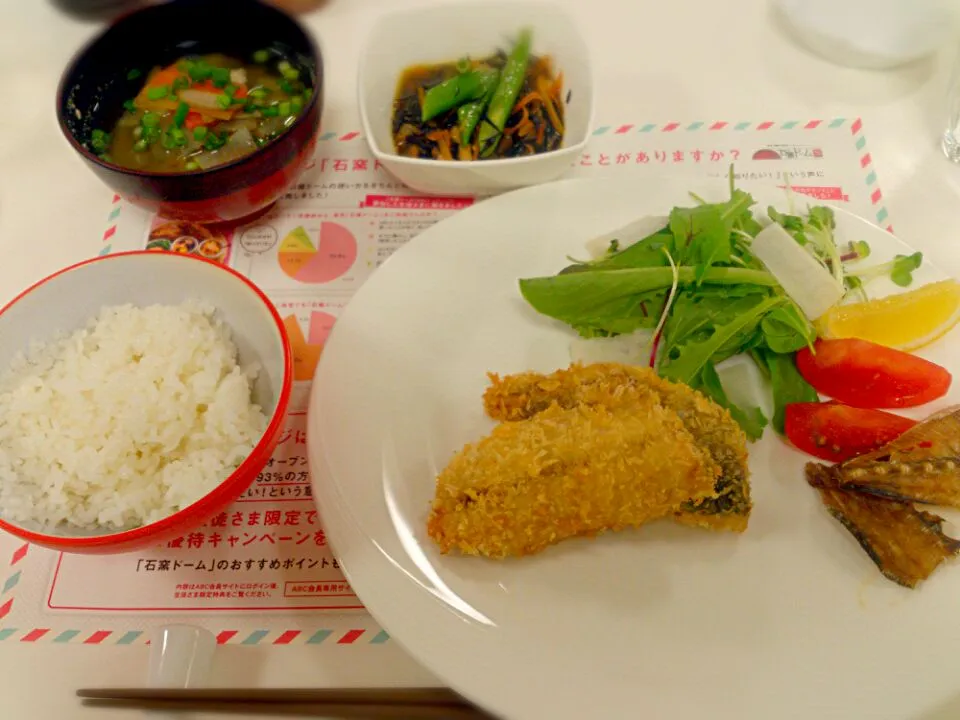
[[263, 572]]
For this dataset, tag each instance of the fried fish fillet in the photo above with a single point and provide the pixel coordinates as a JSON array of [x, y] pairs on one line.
[[613, 385], [567, 472], [906, 544]]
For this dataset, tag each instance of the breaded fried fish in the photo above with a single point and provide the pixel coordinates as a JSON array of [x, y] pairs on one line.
[[613, 385], [566, 472]]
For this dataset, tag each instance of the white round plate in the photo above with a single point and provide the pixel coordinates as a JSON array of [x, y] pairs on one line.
[[789, 620]]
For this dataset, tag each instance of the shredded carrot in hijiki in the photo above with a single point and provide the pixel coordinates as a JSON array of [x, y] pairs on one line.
[[527, 99], [548, 105], [521, 121], [557, 86], [442, 139]]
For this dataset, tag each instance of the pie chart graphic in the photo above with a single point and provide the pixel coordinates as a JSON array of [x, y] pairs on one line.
[[332, 257], [321, 324]]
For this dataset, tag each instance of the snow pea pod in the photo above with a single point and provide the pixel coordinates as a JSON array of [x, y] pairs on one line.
[[459, 89], [469, 114], [505, 96]]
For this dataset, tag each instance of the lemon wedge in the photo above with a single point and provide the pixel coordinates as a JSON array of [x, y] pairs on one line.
[[907, 321]]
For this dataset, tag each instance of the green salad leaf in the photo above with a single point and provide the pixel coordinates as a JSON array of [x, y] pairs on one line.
[[622, 300], [786, 329], [684, 358], [751, 419], [786, 382], [648, 252], [701, 237], [717, 302]]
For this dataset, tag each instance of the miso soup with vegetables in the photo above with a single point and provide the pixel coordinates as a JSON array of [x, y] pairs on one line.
[[509, 104], [204, 111]]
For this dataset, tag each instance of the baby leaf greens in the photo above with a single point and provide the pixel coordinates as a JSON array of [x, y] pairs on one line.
[[710, 282], [726, 302]]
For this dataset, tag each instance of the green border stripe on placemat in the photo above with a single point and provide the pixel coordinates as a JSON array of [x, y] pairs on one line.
[[319, 636], [254, 637], [129, 637]]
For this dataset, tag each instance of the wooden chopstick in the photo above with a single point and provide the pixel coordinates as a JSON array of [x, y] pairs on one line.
[[353, 711], [426, 703], [341, 696]]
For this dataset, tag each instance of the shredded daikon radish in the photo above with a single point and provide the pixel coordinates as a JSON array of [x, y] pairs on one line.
[[810, 285]]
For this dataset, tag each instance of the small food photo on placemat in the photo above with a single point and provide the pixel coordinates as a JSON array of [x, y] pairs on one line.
[[189, 238]]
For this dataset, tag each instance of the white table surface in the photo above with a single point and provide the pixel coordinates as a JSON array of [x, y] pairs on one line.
[[654, 62]]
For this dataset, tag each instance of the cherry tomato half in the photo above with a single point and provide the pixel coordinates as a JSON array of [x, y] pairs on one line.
[[867, 375], [836, 432]]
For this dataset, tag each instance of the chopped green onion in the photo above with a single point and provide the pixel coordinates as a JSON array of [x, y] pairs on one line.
[[223, 101], [199, 71], [174, 138], [129, 105], [261, 56], [284, 108], [100, 141], [140, 145], [249, 106], [150, 119], [151, 133], [259, 93], [230, 89], [220, 76], [213, 141], [199, 132], [286, 86], [191, 166], [133, 74], [270, 111], [287, 70], [296, 104], [158, 93], [181, 114], [180, 83], [106, 157], [307, 94]]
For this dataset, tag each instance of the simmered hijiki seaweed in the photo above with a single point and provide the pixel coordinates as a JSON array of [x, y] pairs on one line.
[[501, 106]]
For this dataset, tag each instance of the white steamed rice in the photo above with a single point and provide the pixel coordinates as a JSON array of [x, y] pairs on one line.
[[125, 421]]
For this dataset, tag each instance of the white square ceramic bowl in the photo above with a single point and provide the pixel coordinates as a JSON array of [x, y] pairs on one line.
[[444, 32]]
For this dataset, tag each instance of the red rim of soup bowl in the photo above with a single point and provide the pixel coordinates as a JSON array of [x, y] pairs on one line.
[[229, 489]]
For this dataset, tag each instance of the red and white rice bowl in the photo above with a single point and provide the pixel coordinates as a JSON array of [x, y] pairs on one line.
[[156, 417]]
